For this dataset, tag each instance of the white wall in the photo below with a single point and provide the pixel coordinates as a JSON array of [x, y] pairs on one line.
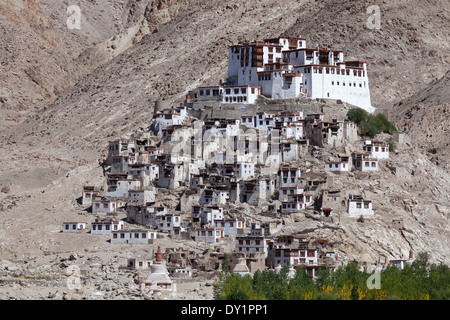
[[354, 211], [133, 236]]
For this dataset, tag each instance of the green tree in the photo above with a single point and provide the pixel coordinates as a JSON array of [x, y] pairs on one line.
[[370, 125], [225, 263], [357, 115]]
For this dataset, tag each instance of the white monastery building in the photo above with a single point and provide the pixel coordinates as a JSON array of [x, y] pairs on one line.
[[337, 166], [210, 235], [285, 68], [357, 206], [133, 236], [364, 162], [106, 227], [377, 149]]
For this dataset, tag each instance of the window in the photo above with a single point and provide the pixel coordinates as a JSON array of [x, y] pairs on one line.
[[115, 235], [358, 205], [373, 165]]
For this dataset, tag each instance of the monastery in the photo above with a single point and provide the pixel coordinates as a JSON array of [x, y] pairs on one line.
[[285, 68], [251, 159]]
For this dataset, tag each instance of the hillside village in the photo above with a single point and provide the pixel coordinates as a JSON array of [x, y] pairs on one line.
[[236, 160]]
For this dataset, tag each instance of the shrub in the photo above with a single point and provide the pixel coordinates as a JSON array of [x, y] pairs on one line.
[[392, 144], [370, 125], [357, 115]]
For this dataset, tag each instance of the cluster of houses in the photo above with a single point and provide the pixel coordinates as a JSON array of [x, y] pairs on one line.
[[246, 159], [114, 229], [222, 162]]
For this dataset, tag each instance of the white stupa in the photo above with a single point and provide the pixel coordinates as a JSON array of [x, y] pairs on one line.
[[158, 280]]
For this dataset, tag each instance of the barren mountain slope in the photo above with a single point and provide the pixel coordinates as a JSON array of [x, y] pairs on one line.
[[42, 55], [35, 65], [425, 116]]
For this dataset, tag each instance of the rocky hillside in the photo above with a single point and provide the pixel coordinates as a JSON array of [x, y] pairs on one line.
[[426, 118]]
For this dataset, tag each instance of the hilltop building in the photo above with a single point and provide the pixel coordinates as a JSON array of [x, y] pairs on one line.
[[285, 68]]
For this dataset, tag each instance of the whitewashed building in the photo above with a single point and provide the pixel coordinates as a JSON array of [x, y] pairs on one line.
[[285, 68], [279, 255], [163, 119], [209, 235], [206, 214], [89, 193], [75, 227], [140, 197], [357, 206], [169, 223], [121, 147], [289, 177], [364, 162], [231, 226], [255, 242], [133, 236], [106, 205], [214, 196], [244, 94], [119, 185], [106, 227], [377, 149], [337, 166]]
